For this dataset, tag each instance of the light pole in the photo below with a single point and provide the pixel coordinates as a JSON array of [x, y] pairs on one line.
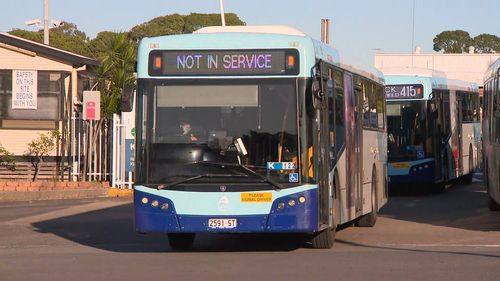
[[413, 33], [46, 25], [222, 17], [46, 22]]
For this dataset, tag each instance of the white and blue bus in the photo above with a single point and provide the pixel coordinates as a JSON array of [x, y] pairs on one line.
[[491, 134], [255, 130], [433, 128]]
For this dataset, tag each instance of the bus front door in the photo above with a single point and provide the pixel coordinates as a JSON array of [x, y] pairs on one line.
[[322, 145], [353, 146]]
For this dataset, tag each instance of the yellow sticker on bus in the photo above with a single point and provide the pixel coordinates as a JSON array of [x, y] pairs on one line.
[[256, 197], [400, 165]]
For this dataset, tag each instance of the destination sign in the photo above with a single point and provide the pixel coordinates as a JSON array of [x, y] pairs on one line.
[[412, 91], [224, 62]]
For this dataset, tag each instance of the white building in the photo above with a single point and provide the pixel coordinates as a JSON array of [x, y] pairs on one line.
[[39, 87], [469, 66]]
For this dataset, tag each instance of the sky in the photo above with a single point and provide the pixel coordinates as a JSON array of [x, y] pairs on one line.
[[358, 28]]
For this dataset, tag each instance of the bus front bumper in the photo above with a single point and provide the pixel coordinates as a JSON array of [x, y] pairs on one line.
[[283, 215], [407, 173]]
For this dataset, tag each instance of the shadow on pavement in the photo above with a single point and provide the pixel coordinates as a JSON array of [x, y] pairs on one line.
[[462, 206], [418, 250], [112, 229]]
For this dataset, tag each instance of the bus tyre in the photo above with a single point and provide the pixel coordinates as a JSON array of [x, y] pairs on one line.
[[323, 239], [370, 219], [181, 241], [492, 205]]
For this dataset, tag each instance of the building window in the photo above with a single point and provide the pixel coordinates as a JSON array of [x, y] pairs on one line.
[[50, 93]]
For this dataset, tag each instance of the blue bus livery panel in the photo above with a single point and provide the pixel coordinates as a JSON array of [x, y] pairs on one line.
[[272, 211], [415, 172]]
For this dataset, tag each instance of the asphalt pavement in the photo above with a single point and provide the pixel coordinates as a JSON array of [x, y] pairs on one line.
[[438, 236]]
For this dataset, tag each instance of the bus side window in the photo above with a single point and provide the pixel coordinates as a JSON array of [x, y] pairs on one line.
[[339, 111], [380, 106], [496, 111], [369, 105]]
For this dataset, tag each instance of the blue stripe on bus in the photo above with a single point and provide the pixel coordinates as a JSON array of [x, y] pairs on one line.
[[209, 203], [404, 167], [302, 217], [416, 172]]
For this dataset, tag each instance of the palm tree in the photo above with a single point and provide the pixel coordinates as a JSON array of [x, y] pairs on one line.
[[113, 74]]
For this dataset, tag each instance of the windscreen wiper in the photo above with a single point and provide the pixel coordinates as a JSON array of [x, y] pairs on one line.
[[167, 185], [246, 168]]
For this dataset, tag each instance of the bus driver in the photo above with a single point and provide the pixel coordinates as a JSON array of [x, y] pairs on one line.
[[186, 131]]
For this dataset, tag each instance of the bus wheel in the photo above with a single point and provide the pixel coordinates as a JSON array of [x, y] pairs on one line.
[[181, 241], [370, 219], [468, 177], [323, 239], [494, 206]]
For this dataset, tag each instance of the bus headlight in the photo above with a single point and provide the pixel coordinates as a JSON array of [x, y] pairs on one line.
[[155, 203], [291, 202], [302, 199], [281, 206], [164, 206], [144, 200]]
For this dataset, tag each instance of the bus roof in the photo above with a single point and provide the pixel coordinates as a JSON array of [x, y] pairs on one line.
[[438, 79], [493, 69], [252, 37], [269, 29]]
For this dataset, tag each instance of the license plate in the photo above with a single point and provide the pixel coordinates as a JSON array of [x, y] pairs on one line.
[[222, 223]]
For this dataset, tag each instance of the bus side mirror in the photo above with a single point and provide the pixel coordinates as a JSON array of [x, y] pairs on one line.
[[127, 98], [317, 94]]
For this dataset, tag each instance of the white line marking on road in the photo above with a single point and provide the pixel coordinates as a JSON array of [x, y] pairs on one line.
[[445, 245]]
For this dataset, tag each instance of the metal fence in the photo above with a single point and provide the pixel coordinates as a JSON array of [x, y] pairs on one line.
[[89, 150], [122, 154]]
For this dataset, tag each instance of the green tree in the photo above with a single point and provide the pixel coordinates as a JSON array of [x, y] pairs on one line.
[[7, 158], [164, 25], [196, 21], [29, 35], [69, 38], [115, 71], [66, 37], [41, 147], [101, 45], [487, 43], [456, 41], [180, 24]]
